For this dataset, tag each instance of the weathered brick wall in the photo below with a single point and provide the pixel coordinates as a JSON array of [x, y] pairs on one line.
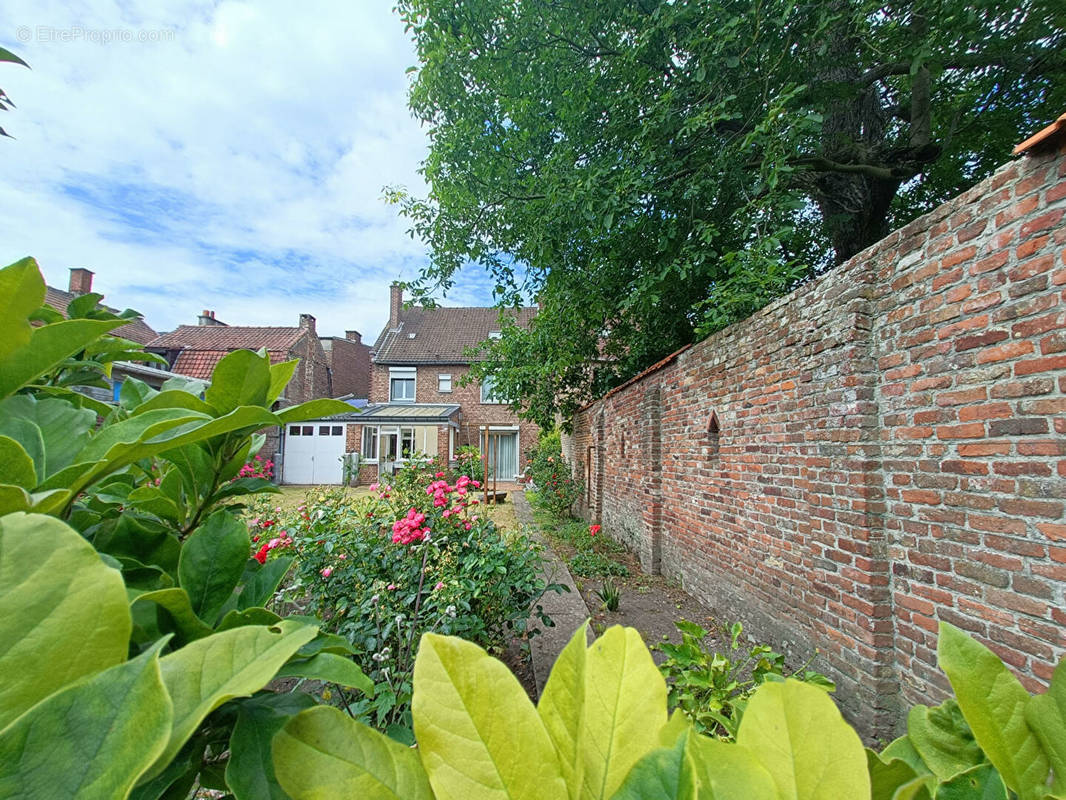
[[349, 362], [889, 452]]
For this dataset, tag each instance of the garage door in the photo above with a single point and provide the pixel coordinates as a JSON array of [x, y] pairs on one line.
[[314, 453]]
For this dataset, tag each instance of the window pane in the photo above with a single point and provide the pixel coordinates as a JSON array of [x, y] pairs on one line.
[[488, 387], [444, 383], [370, 443], [309, 430], [294, 430], [407, 443], [337, 430], [323, 430], [403, 390]]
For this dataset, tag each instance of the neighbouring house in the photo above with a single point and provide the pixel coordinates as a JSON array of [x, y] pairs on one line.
[[418, 400], [195, 350], [81, 283], [348, 360]]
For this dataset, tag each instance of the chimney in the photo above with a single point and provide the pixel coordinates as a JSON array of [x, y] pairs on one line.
[[308, 321], [207, 318], [354, 336], [81, 280], [395, 304]]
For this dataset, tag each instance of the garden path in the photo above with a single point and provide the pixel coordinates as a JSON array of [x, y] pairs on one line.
[[567, 609]]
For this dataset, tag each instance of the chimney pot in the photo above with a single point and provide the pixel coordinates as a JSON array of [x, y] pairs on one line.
[[207, 317], [81, 280], [307, 321], [395, 304]]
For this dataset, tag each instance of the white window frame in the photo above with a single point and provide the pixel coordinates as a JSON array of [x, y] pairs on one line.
[[442, 379], [489, 399], [374, 437], [403, 374]]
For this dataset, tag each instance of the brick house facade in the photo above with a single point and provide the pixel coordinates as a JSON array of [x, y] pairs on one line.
[[420, 363], [348, 360], [881, 450]]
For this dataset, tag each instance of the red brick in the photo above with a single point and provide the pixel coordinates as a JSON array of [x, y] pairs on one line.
[[962, 396], [972, 430], [986, 411], [1043, 222], [1005, 351], [1039, 365], [985, 449], [1052, 530]]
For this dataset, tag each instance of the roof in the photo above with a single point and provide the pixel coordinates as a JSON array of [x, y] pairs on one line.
[[440, 335], [401, 413], [201, 347], [136, 331], [1048, 136], [201, 363]]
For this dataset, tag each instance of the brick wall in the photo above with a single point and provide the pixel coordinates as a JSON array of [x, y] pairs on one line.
[[473, 413], [887, 450], [349, 362]]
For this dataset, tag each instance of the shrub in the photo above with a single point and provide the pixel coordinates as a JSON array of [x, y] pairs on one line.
[[601, 730], [556, 488], [712, 689], [136, 645], [413, 558]]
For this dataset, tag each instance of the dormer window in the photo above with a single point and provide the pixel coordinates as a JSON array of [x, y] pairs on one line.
[[495, 334]]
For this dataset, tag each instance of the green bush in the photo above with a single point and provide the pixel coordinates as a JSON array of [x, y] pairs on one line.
[[380, 586], [556, 488], [712, 689], [601, 730], [135, 644]]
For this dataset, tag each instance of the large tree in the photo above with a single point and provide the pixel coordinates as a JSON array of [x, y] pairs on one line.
[[654, 169]]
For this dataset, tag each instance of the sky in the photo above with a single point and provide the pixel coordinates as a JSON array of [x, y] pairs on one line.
[[228, 156]]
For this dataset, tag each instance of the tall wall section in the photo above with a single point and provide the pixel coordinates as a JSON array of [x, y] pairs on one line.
[[882, 449]]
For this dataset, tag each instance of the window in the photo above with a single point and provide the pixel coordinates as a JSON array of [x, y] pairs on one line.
[[444, 382], [713, 435], [294, 430], [308, 430], [370, 444], [337, 430], [401, 385], [488, 391], [407, 442], [323, 430], [495, 334]]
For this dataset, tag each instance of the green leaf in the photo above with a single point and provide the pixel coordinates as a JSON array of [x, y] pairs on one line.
[[322, 754], [797, 734], [212, 562], [477, 732], [981, 782], [241, 378], [943, 739], [7, 55], [49, 346], [330, 667], [22, 291], [250, 770], [560, 708], [280, 375], [63, 612], [1046, 715], [206, 673], [993, 703], [249, 616], [665, 773], [175, 602], [62, 428], [261, 581], [728, 772], [90, 740], [902, 750], [887, 775], [314, 409], [16, 466]]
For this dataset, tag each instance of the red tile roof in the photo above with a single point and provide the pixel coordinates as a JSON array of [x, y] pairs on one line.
[[440, 335], [136, 331], [1048, 136], [227, 337], [201, 363]]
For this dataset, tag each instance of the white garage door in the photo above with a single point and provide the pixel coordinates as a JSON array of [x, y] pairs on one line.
[[314, 453]]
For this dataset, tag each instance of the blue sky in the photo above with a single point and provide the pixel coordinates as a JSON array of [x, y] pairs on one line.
[[226, 156]]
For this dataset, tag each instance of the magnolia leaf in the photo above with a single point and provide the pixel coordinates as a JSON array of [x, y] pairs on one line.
[[561, 704], [981, 782], [174, 398], [63, 612], [261, 581], [92, 739], [175, 602], [797, 734], [280, 375], [728, 772], [902, 750], [49, 346], [63, 428], [993, 703], [1046, 715], [249, 616], [314, 409], [250, 769], [887, 775], [943, 739], [16, 466], [665, 773], [22, 292], [14, 498], [322, 754], [206, 673], [212, 562], [477, 732], [134, 393], [241, 378], [332, 668]]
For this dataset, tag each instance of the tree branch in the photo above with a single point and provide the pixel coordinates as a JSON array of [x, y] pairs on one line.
[[1051, 62]]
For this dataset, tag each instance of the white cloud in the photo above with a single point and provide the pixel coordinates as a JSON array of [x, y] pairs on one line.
[[233, 162]]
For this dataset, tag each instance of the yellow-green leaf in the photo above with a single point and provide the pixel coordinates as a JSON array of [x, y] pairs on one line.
[[993, 702], [1046, 715], [796, 733], [561, 708], [16, 466], [322, 754], [63, 612], [728, 772], [22, 292], [478, 734]]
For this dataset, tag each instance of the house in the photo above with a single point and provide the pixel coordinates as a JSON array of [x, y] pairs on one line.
[[418, 401], [81, 283], [195, 350]]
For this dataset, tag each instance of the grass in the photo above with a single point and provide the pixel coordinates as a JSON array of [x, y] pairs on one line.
[[587, 556]]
